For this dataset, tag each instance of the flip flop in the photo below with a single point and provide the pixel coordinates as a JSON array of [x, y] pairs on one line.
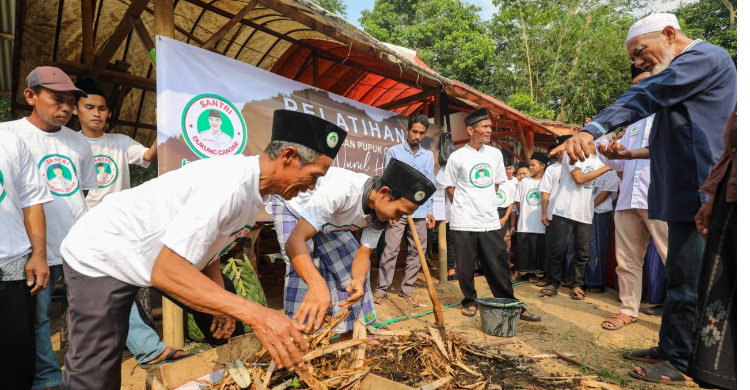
[[167, 359], [656, 310], [469, 311], [552, 291], [453, 277], [542, 283], [410, 298], [531, 317], [574, 294], [378, 299], [650, 355], [618, 320], [654, 374]]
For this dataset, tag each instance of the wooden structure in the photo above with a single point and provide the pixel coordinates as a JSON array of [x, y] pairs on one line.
[[112, 41]]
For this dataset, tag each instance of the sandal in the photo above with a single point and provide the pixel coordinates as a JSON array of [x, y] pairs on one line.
[[533, 279], [565, 283], [542, 283], [379, 298], [656, 310], [549, 291], [453, 277], [469, 311], [650, 355], [577, 294], [530, 317], [655, 372], [410, 298], [618, 320]]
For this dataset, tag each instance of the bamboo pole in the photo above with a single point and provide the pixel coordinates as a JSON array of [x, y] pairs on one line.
[[443, 249], [528, 55], [87, 31], [436, 307]]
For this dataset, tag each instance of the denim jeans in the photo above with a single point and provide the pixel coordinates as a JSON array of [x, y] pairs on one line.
[[48, 373], [683, 267], [143, 341]]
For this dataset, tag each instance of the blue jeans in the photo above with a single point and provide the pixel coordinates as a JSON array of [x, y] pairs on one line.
[[48, 373], [143, 341], [683, 268]]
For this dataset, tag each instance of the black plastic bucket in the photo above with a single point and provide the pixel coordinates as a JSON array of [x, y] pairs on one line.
[[500, 316]]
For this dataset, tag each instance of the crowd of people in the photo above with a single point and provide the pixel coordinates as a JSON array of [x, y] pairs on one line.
[[668, 177]]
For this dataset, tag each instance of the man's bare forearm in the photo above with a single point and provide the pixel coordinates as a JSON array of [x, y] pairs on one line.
[[35, 224]]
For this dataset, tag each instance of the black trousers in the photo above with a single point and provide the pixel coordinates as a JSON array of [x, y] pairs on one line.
[[17, 340], [451, 246], [558, 232], [493, 257]]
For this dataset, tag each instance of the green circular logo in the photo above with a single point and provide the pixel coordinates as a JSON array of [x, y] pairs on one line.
[[107, 171], [533, 197], [2, 189], [481, 175], [589, 184], [501, 196], [419, 196], [332, 139], [213, 127], [60, 174]]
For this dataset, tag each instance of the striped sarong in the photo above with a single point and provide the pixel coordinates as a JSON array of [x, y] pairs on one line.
[[333, 255]]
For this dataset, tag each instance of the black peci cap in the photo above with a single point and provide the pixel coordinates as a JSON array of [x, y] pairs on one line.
[[476, 117], [408, 181], [541, 157], [308, 130], [522, 164], [559, 140]]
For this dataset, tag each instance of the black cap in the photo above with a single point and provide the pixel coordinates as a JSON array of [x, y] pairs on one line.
[[522, 164], [100, 165], [635, 71], [308, 130], [476, 117], [559, 140], [90, 86], [214, 113], [541, 157], [407, 181]]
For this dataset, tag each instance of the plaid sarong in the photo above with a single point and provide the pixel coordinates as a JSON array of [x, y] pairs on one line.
[[333, 255]]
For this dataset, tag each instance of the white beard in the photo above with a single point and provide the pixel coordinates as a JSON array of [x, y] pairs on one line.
[[668, 54]]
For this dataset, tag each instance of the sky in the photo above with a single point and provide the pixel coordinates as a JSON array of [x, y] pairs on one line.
[[355, 7]]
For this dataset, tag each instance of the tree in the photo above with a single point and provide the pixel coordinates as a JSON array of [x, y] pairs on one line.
[[448, 35], [711, 20], [336, 6]]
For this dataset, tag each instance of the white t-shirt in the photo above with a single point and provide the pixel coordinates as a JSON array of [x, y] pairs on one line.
[[114, 152], [21, 186], [574, 201], [474, 174], [67, 166], [606, 182], [550, 184], [530, 201], [506, 194], [337, 206], [198, 211]]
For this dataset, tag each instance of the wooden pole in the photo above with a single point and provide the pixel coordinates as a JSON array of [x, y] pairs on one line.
[[443, 249], [436, 307], [87, 31], [211, 42], [118, 36], [174, 335]]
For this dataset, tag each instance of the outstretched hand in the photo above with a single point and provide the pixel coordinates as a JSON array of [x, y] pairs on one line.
[[281, 337], [615, 151], [576, 147]]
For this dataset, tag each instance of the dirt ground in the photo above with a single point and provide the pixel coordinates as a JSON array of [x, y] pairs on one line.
[[567, 325]]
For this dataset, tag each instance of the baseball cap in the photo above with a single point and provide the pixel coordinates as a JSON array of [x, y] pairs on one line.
[[52, 78]]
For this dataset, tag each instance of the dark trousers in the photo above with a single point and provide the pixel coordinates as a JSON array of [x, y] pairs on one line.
[[451, 246], [493, 257], [98, 321], [558, 232], [684, 261], [17, 340]]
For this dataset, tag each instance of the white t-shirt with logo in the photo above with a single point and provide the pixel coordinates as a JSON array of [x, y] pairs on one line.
[[506, 193], [198, 211], [606, 182], [550, 184], [574, 201], [112, 154], [529, 199], [474, 174], [67, 166], [337, 206], [21, 186]]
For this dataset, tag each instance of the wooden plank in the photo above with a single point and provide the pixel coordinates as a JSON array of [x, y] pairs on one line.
[[108, 75], [164, 18], [211, 42], [409, 99], [87, 31], [6, 36], [437, 308], [144, 36], [180, 30], [443, 249], [118, 36], [522, 139]]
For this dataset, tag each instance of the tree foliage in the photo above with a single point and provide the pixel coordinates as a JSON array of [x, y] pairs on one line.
[[336, 6], [710, 20], [4, 109]]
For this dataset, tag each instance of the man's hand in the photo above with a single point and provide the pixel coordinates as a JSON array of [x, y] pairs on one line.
[[512, 230], [504, 220], [356, 290], [222, 326], [545, 220], [430, 221], [37, 268], [615, 151], [704, 216], [281, 337], [575, 147], [312, 311], [391, 222]]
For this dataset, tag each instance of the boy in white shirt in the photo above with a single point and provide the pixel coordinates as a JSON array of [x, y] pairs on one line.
[[472, 176], [530, 230], [573, 214], [604, 194], [548, 187]]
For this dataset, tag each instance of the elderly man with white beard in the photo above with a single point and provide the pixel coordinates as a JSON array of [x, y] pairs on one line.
[[693, 96]]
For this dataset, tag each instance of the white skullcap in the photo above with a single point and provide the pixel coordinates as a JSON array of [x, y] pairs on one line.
[[652, 23]]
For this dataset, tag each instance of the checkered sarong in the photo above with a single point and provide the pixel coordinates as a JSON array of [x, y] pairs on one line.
[[333, 255]]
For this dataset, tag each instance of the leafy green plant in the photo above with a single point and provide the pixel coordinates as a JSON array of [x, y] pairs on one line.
[[4, 109]]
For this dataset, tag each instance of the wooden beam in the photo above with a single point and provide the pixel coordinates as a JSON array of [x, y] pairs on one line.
[[530, 139], [164, 18], [316, 70], [211, 42], [144, 36], [60, 5], [108, 75], [180, 30], [510, 150], [7, 37], [6, 94], [118, 36], [87, 31], [522, 139], [409, 99]]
